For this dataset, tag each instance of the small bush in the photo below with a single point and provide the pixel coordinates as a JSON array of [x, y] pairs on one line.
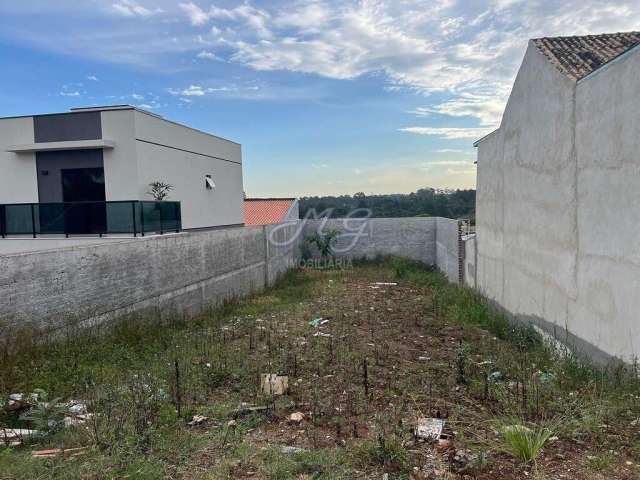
[[523, 442]]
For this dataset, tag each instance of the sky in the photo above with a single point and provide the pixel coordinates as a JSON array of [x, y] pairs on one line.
[[326, 97]]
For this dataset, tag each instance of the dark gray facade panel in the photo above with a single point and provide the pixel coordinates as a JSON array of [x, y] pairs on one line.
[[66, 127], [50, 164]]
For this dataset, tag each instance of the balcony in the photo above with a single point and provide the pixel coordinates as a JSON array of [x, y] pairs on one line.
[[126, 217]]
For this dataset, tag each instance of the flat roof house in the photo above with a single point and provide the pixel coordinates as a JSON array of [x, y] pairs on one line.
[[88, 171]]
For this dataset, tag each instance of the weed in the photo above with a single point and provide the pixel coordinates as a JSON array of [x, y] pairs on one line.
[[524, 443]]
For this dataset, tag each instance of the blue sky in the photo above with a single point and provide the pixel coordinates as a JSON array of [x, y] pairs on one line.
[[326, 97]]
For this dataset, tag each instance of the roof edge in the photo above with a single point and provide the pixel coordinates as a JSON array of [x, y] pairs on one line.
[[480, 140]]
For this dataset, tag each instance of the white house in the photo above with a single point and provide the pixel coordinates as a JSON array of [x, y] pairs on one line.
[[558, 189], [97, 162]]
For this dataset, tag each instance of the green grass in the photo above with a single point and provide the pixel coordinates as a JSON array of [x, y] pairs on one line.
[[523, 442], [127, 373]]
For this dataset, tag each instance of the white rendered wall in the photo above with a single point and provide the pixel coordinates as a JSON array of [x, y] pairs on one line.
[[18, 179], [120, 169], [182, 157]]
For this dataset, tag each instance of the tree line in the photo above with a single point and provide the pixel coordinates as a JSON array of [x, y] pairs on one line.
[[426, 202]]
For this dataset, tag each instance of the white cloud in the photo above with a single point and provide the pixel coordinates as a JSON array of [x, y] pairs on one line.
[[195, 13], [454, 150], [469, 51], [137, 96], [254, 18], [93, 78], [449, 133], [208, 56], [190, 91], [131, 8], [66, 93]]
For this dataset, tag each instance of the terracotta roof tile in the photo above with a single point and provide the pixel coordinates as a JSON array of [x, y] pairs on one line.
[[577, 57], [259, 211]]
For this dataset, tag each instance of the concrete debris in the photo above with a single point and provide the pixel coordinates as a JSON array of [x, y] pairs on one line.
[[429, 429], [274, 384], [77, 420], [296, 417], [77, 407], [13, 437], [321, 334], [197, 420], [66, 452], [424, 359], [19, 401]]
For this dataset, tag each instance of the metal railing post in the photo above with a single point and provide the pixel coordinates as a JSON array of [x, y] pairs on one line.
[[161, 229], [141, 219], [33, 220], [178, 217], [3, 221], [64, 220], [133, 211]]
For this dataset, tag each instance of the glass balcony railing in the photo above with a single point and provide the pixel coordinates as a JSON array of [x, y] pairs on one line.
[[133, 217]]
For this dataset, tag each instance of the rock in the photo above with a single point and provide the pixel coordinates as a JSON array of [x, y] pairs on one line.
[[463, 461], [198, 420], [296, 417], [232, 424]]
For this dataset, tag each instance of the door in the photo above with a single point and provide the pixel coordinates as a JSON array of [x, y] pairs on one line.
[[84, 197]]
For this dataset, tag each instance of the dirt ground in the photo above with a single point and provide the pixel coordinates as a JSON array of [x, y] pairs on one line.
[[412, 358]]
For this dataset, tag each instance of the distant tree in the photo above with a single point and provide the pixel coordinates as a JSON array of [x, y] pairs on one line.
[[423, 202]]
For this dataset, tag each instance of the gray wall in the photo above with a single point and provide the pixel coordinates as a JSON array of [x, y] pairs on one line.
[[182, 156], [430, 240], [188, 272], [556, 223], [50, 185], [411, 237], [182, 273]]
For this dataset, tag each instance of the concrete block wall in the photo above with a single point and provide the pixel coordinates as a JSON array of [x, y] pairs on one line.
[[183, 273], [448, 249], [470, 260], [189, 272], [430, 240]]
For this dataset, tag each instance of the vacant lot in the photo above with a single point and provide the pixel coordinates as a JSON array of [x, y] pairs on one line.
[[391, 343]]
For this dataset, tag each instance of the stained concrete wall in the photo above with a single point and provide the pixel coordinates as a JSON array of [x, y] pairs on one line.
[[448, 249], [183, 273], [555, 230], [470, 260], [432, 241], [190, 271]]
